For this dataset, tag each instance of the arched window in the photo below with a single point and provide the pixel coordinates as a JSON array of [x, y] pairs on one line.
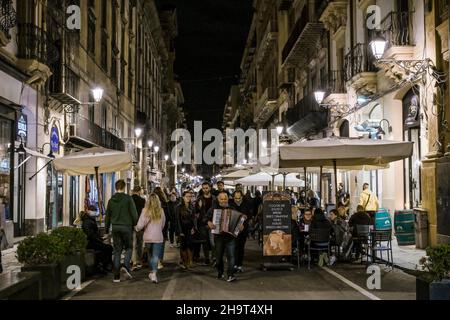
[[344, 129]]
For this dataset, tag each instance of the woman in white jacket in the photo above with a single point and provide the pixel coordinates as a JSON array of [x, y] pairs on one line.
[[152, 221]]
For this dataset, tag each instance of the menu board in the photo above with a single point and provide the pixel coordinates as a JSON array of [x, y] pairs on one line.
[[277, 225]]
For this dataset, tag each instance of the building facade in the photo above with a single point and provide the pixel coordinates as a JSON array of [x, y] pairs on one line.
[[313, 46], [49, 67]]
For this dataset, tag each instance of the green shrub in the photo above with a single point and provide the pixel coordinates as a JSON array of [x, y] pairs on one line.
[[72, 240], [437, 262], [38, 250]]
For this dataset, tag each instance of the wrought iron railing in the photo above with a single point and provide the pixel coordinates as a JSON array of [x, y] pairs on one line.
[[7, 16], [358, 60], [304, 107], [397, 29], [32, 42], [89, 131], [336, 83]]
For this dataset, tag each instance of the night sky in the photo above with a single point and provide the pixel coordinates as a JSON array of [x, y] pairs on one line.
[[210, 44]]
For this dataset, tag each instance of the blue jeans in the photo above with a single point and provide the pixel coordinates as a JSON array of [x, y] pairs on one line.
[[161, 253], [155, 249], [122, 240], [225, 243]]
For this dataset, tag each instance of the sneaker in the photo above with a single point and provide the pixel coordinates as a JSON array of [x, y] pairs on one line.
[[231, 278], [332, 260], [160, 265], [126, 273], [220, 276], [182, 266], [152, 277], [240, 269], [116, 279], [171, 245]]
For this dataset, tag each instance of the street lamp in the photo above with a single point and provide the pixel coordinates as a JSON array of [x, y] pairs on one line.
[[378, 46], [337, 107], [166, 157], [156, 149], [138, 132], [97, 94], [319, 95], [280, 129], [150, 143]]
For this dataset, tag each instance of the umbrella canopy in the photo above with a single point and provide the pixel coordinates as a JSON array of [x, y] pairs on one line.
[[85, 162], [264, 179], [343, 152], [236, 175]]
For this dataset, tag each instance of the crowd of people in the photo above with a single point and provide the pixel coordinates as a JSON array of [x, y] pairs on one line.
[[141, 225]]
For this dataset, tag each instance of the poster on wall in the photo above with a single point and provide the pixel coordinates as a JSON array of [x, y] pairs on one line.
[[277, 238]]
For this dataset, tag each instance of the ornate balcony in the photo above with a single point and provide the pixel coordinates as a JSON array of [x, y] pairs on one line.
[[360, 71], [268, 42], [336, 92], [266, 106], [36, 53], [85, 133], [7, 21], [303, 41], [306, 117]]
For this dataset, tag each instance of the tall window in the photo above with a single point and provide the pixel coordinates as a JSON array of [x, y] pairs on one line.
[[91, 28], [104, 44], [114, 49]]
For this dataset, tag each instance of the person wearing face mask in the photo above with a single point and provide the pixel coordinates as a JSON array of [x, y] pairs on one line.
[[302, 201], [95, 242], [202, 206], [172, 207], [239, 203]]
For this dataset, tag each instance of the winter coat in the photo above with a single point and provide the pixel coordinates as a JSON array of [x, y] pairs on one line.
[[121, 211]]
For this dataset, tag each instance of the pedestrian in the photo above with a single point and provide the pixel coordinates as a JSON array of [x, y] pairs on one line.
[[121, 214], [223, 242], [152, 222], [171, 209], [253, 222], [302, 201], [339, 228], [359, 218], [369, 202], [313, 200], [220, 188], [203, 204], [185, 228], [95, 242], [304, 226], [343, 201], [138, 242], [239, 187], [164, 204], [320, 222], [3, 242], [240, 204]]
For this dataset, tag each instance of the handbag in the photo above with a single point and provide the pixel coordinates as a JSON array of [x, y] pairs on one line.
[[3, 241]]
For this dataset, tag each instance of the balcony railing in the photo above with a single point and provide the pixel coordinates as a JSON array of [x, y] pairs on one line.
[[90, 133], [269, 97], [267, 40], [336, 83], [358, 60], [35, 44], [8, 17], [397, 29], [304, 107]]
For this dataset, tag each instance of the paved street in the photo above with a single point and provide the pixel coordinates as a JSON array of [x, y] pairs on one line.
[[344, 281]]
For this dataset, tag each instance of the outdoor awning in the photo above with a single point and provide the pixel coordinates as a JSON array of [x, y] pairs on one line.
[[85, 162], [264, 179], [36, 154], [343, 152]]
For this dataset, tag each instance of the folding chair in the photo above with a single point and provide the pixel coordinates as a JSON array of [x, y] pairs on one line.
[[318, 240], [382, 241]]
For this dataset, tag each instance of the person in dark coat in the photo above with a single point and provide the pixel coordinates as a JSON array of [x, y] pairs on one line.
[[359, 218], [171, 210], [184, 217], [139, 202], [95, 242], [202, 206], [242, 205]]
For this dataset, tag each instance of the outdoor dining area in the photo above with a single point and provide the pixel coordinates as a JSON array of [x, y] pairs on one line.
[[334, 232]]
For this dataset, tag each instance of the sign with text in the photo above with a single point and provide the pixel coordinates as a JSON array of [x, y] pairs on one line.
[[277, 225], [22, 127]]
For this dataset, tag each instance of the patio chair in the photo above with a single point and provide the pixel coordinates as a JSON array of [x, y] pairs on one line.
[[318, 240], [382, 241], [362, 237]]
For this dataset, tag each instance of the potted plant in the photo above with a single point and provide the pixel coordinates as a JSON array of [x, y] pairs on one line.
[[43, 254], [73, 242], [434, 284]]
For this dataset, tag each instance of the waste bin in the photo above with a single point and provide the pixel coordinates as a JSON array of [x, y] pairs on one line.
[[421, 228]]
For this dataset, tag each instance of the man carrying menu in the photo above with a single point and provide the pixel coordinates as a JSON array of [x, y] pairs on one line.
[[224, 242]]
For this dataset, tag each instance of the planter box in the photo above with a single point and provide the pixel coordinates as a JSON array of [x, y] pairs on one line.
[[50, 279], [432, 291], [76, 260]]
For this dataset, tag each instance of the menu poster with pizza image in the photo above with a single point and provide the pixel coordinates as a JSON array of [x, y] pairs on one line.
[[277, 225]]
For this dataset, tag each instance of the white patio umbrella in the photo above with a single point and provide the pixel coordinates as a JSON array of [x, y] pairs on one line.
[[236, 175], [94, 161], [264, 179], [342, 152]]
